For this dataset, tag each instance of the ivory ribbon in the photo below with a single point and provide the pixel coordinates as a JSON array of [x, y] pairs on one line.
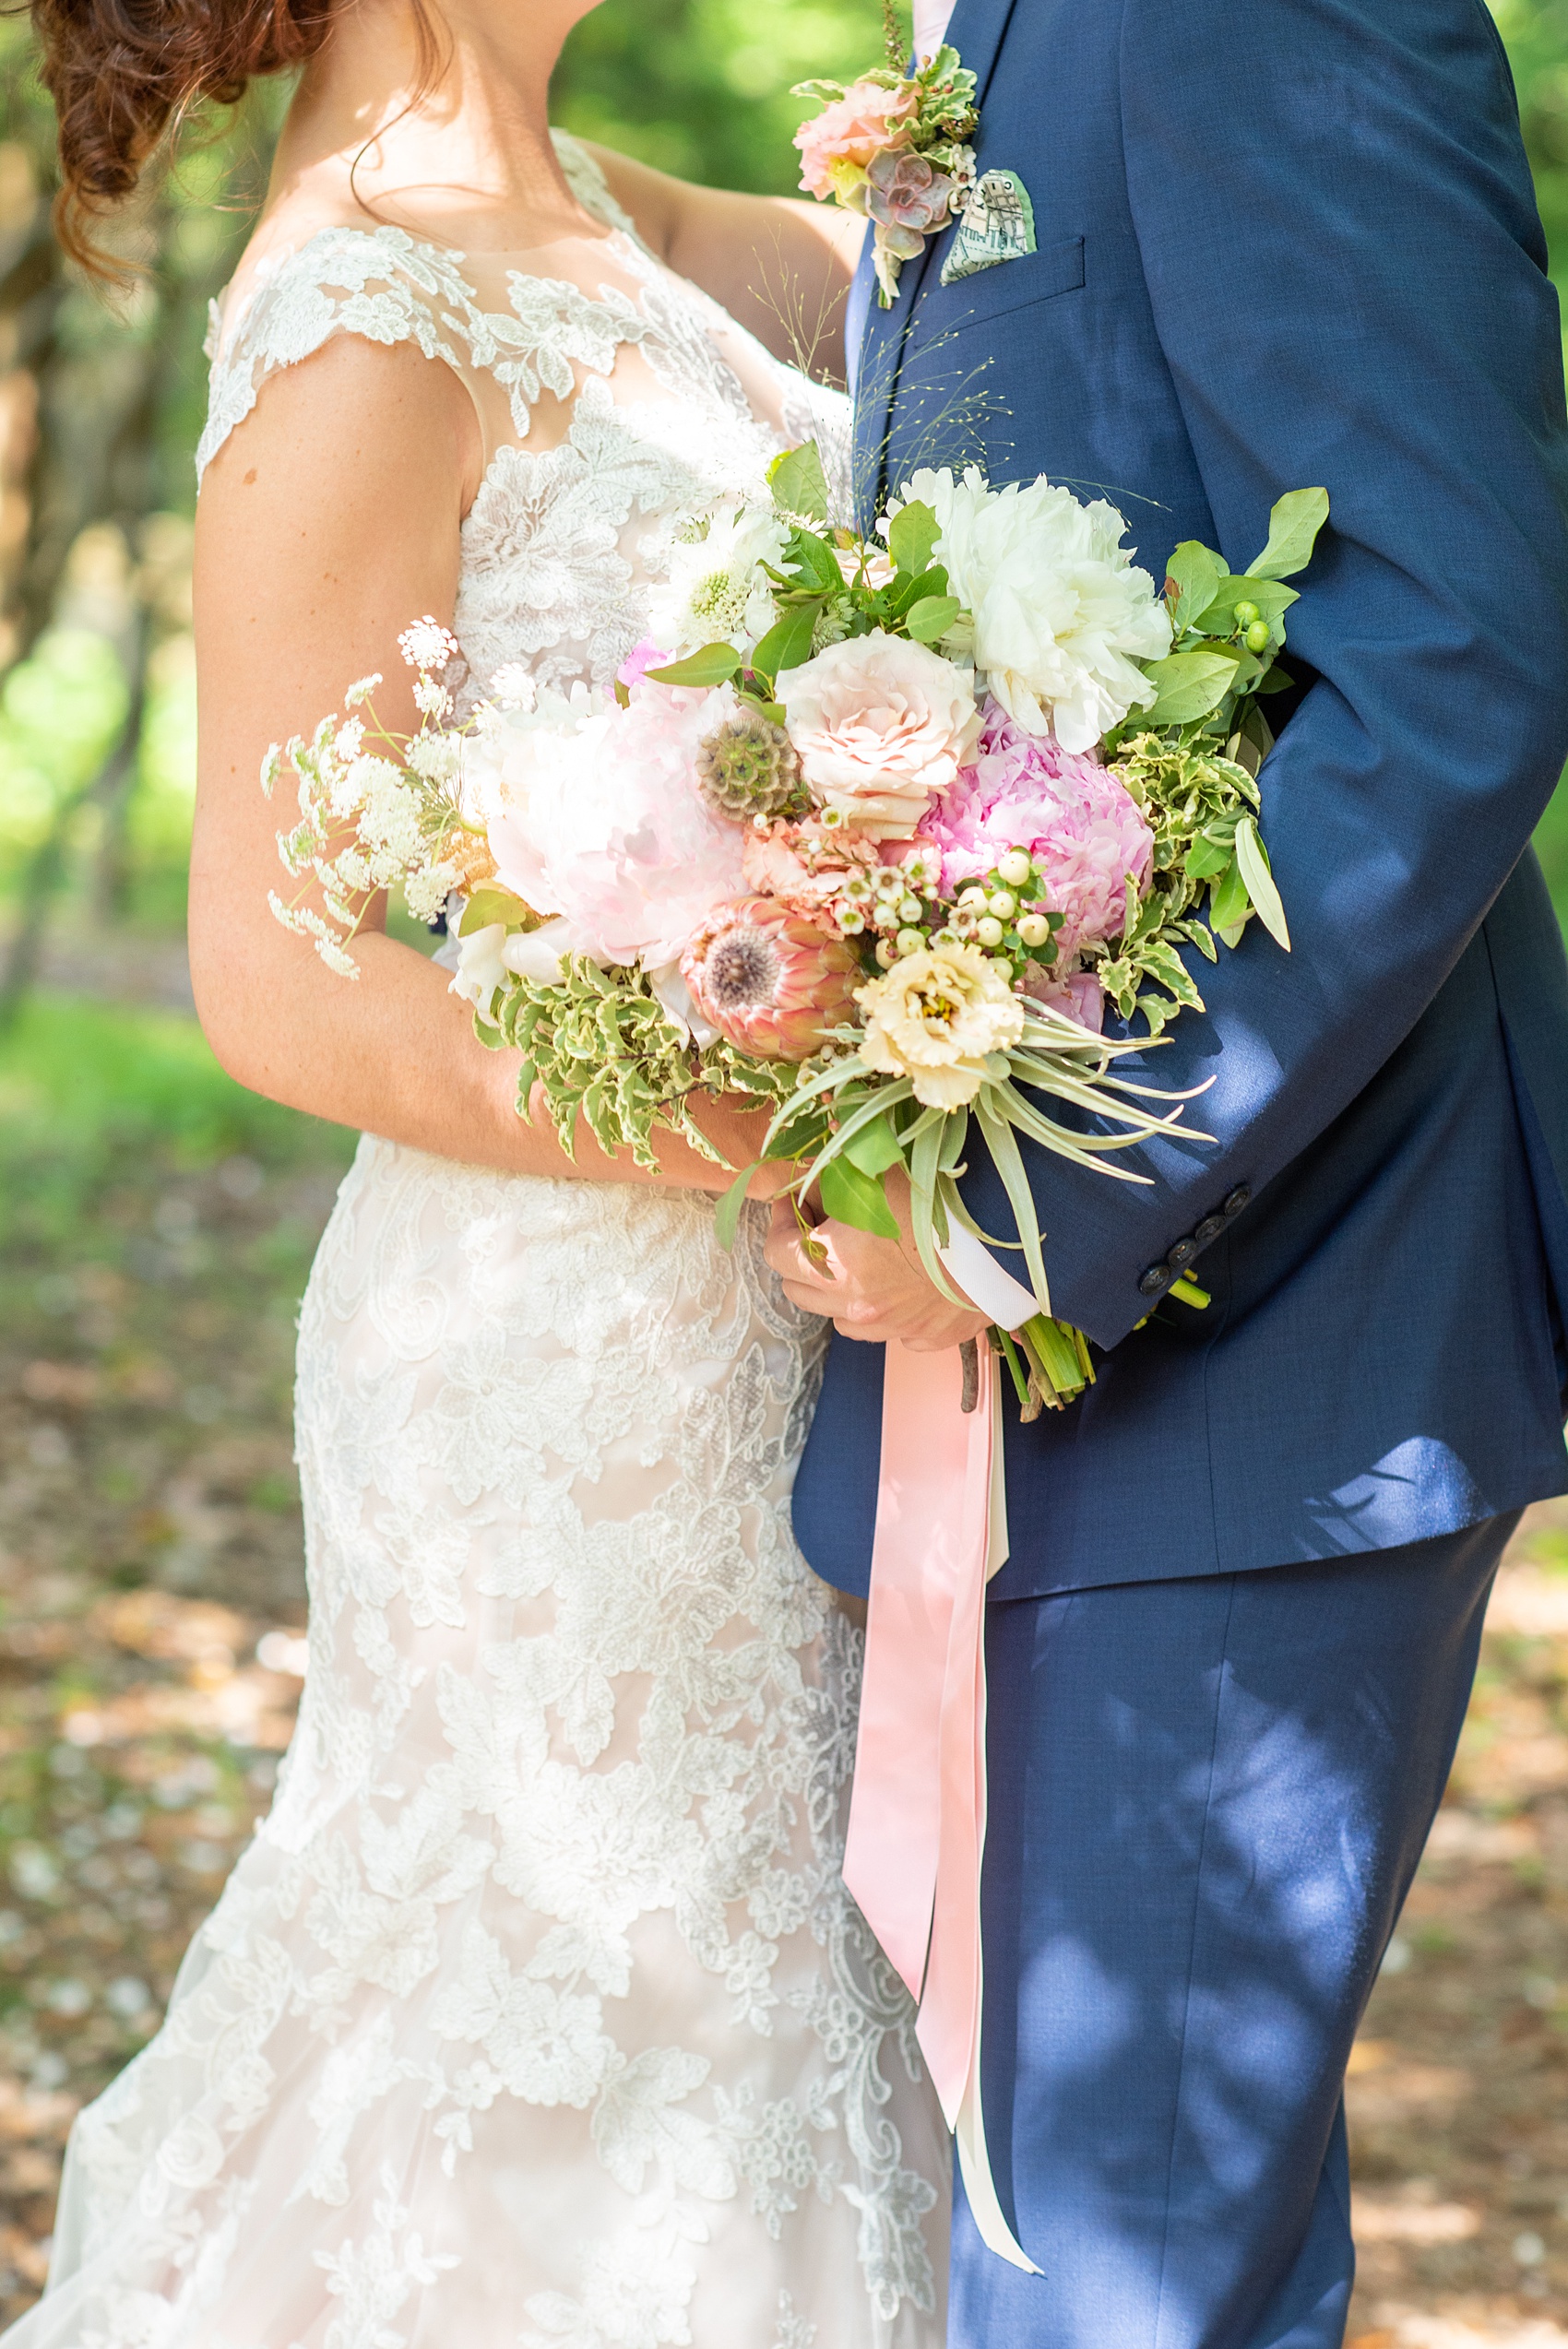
[[917, 1813]]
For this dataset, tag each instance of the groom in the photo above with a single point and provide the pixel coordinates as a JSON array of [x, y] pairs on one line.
[[1275, 246]]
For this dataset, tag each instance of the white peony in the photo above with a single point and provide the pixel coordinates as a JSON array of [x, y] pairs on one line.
[[1060, 612], [716, 592]]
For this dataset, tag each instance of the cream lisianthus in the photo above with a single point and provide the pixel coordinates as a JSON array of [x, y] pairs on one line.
[[1059, 614], [933, 1018]]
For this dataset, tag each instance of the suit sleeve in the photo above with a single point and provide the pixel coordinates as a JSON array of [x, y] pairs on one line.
[[1347, 270]]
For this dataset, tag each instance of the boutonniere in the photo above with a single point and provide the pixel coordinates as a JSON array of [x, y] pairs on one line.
[[894, 147]]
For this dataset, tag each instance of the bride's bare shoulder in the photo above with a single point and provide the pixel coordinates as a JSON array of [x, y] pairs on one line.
[[323, 344]]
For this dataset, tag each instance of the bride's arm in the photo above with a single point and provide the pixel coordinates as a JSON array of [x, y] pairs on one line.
[[780, 266], [327, 523]]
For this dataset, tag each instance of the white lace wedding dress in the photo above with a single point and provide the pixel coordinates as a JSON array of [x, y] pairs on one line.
[[537, 2013]]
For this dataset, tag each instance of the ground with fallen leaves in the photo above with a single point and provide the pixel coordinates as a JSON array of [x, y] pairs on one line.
[[155, 1231]]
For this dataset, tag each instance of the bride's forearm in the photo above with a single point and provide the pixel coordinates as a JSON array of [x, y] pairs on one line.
[[394, 1054]]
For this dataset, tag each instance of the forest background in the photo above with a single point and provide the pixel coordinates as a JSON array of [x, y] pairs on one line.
[[157, 1226]]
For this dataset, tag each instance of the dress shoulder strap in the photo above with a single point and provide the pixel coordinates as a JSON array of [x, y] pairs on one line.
[[589, 185], [381, 283]]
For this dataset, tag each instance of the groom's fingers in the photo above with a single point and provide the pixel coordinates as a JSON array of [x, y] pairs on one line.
[[808, 1280]]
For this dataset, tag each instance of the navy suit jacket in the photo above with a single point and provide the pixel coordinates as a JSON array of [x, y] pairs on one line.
[[1282, 246]]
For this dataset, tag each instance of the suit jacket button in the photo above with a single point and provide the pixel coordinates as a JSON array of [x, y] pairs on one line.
[[1182, 1254], [1209, 1230], [1240, 1197], [1157, 1277]]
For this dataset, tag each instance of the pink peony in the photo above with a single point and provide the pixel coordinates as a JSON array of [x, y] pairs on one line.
[[639, 660], [1025, 791], [806, 867], [1078, 997], [881, 726], [770, 980], [596, 816], [838, 144]]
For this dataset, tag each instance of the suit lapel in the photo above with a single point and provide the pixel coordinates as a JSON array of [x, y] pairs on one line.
[[974, 32]]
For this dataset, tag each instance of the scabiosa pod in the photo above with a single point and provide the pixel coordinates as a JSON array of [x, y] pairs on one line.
[[747, 769]]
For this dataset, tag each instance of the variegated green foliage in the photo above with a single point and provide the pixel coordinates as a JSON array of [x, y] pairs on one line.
[[601, 1045]]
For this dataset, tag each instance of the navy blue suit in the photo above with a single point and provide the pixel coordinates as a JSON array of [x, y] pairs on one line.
[[1278, 247]]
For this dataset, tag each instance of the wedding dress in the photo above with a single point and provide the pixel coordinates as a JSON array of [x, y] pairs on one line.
[[537, 2013]]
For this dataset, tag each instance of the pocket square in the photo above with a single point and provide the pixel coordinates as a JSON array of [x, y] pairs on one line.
[[996, 224]]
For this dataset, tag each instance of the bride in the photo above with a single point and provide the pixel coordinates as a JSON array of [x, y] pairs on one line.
[[537, 2013]]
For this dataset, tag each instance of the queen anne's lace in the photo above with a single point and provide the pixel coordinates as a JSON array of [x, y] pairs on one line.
[[536, 2014]]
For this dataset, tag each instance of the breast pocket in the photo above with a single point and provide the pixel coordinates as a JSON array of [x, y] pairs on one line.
[[1007, 286]]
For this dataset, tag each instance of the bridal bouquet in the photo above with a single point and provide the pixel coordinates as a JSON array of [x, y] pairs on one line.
[[872, 830]]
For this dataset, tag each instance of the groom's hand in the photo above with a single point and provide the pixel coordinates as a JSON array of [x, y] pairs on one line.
[[869, 1288]]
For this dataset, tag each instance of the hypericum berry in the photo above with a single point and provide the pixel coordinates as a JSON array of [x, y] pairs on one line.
[[910, 942], [988, 930], [1002, 904], [971, 900], [886, 953], [1001, 966], [1016, 867], [1034, 929], [1258, 637], [1245, 614], [748, 767], [909, 908]]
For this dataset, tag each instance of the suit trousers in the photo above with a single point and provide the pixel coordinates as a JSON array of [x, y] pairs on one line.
[[1207, 1800]]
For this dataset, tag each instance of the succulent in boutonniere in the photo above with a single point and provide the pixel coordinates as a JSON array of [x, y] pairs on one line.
[[894, 147]]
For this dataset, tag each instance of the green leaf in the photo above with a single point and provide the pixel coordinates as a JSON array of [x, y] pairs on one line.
[[1229, 904], [797, 482], [712, 666], [931, 618], [814, 561], [1278, 680], [851, 1197], [1204, 858], [1190, 683], [487, 906], [911, 536], [874, 1148], [727, 1215], [1272, 598], [787, 643], [1293, 526], [903, 592], [1252, 858], [1194, 571]]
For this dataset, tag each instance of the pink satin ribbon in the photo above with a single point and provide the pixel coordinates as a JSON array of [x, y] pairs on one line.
[[917, 1817]]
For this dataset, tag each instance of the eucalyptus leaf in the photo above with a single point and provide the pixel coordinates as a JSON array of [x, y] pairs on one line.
[[788, 643], [1191, 684], [911, 536], [1293, 526], [931, 618], [1272, 598], [1252, 858], [488, 906], [713, 665], [815, 562], [851, 1197], [1195, 570], [727, 1215], [797, 482], [874, 1148]]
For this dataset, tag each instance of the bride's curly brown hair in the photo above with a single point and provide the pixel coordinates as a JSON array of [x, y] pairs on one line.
[[125, 72]]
